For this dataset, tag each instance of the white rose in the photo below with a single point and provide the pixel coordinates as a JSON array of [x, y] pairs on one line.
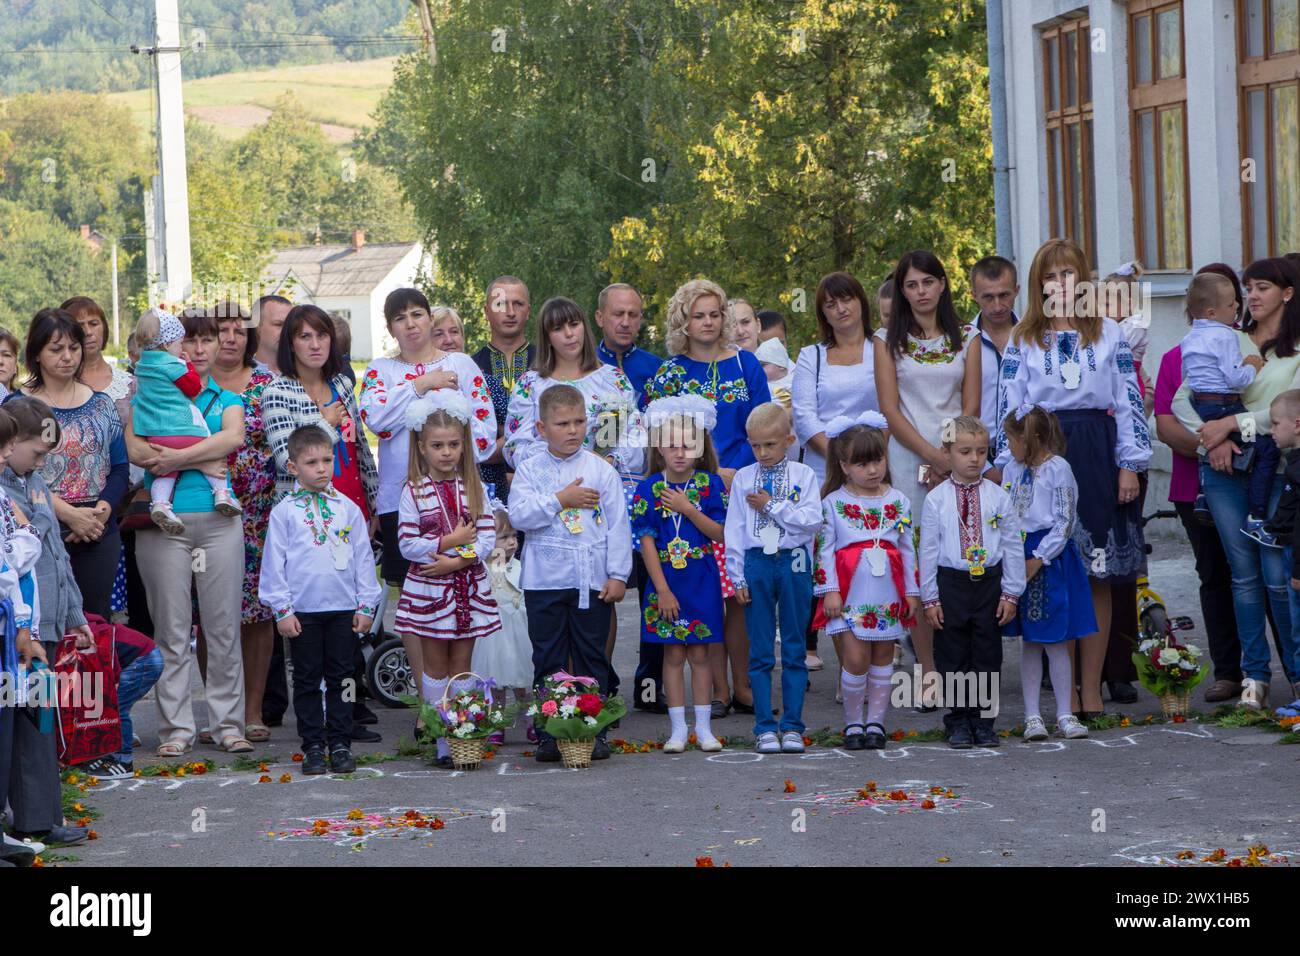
[[1188, 665], [590, 721], [1193, 650], [1169, 656], [1146, 646], [475, 709]]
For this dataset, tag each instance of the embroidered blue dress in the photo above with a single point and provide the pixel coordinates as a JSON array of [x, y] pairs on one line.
[[735, 385], [696, 584]]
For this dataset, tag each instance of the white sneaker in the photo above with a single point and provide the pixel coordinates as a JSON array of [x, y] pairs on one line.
[[1071, 728], [1035, 729], [223, 502], [791, 743], [1254, 694], [160, 512], [813, 662], [707, 742], [768, 743], [675, 745]]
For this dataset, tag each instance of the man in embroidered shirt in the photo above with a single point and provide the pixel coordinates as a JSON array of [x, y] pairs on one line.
[[994, 287], [569, 503], [503, 361], [972, 576], [318, 575], [773, 514]]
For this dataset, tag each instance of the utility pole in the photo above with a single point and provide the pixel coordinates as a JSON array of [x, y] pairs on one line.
[[171, 245]]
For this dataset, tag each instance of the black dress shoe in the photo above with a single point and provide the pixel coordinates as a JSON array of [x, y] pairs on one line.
[[444, 763], [854, 739], [1122, 692], [600, 751], [11, 855], [738, 708], [362, 736], [874, 739], [1087, 715], [59, 836], [361, 714], [961, 738], [986, 736], [548, 751], [342, 761], [313, 762], [658, 707]]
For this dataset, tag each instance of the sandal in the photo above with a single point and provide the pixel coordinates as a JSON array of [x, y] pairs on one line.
[[236, 745], [172, 748], [257, 733]]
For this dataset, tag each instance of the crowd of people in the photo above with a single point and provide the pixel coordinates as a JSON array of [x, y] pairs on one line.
[[911, 479]]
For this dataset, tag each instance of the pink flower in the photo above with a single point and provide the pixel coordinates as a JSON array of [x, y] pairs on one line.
[[571, 701], [549, 708]]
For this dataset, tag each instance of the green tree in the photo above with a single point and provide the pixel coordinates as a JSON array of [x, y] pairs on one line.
[[43, 262]]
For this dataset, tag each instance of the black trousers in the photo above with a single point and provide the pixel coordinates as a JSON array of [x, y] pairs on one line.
[[275, 699], [34, 786], [137, 600], [649, 678], [1215, 593], [567, 637], [323, 649], [94, 566], [970, 641]]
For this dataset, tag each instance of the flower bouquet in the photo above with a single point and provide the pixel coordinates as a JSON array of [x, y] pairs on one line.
[[467, 719], [1169, 670], [572, 711], [608, 423]]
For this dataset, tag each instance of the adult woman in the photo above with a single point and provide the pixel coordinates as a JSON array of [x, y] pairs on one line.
[[447, 329], [1272, 330], [1065, 356], [700, 337], [206, 558], [88, 471], [746, 324], [252, 477], [926, 372]]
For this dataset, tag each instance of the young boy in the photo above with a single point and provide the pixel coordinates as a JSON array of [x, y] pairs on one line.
[[773, 515], [1285, 413], [577, 549], [1216, 374], [318, 575], [972, 575]]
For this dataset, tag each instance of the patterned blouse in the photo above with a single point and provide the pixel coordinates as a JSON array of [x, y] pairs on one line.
[[90, 462]]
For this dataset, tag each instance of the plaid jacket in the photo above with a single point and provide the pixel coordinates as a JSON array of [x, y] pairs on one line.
[[286, 406]]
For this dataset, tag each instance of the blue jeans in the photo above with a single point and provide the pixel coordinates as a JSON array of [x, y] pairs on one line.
[[1258, 574], [137, 677], [780, 582]]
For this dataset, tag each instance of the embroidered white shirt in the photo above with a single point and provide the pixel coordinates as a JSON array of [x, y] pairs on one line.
[[304, 550], [795, 511], [580, 548], [1045, 497], [997, 531]]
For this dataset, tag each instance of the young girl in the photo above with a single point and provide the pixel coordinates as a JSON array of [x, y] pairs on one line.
[[508, 658], [163, 411], [1056, 608], [1122, 304], [865, 570], [677, 514], [446, 531]]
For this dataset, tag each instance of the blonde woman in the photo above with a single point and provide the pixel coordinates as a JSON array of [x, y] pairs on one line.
[[701, 340], [447, 329]]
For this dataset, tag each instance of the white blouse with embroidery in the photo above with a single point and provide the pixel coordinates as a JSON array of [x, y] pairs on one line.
[[1045, 497]]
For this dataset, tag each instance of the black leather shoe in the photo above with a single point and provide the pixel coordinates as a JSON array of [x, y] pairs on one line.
[[738, 708], [986, 737], [12, 855], [361, 714], [362, 736], [1122, 692], [961, 738], [59, 836], [854, 739], [657, 707], [717, 710], [313, 762], [548, 751], [444, 763], [600, 751], [342, 761], [874, 739]]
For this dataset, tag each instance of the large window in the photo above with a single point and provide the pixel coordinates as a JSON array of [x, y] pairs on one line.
[[1067, 95], [1158, 99], [1268, 73]]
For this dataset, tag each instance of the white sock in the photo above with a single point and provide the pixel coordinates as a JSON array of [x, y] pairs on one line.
[[878, 684], [1031, 677], [1058, 666], [853, 687], [703, 723], [160, 492], [677, 721], [218, 485], [432, 691]]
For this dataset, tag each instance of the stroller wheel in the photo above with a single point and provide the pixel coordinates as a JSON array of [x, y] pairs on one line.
[[389, 674]]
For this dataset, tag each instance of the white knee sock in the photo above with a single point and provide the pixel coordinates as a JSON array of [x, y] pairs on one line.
[[703, 723], [1058, 666], [677, 721], [1031, 677], [854, 689], [878, 684], [432, 691]]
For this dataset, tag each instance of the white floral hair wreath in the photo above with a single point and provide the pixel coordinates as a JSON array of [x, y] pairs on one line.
[[695, 407], [447, 400], [842, 423]]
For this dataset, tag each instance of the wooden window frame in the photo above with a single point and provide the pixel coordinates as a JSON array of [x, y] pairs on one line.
[[1260, 73], [1080, 115], [1155, 97]]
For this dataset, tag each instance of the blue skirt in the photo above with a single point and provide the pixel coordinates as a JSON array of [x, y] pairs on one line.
[[1108, 534], [1057, 603]]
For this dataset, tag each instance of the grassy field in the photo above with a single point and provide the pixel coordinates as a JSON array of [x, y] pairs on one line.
[[339, 96]]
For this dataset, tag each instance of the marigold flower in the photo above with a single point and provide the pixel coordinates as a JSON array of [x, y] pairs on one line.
[[789, 786], [704, 861], [357, 831], [286, 777], [897, 735], [355, 814], [263, 779], [927, 804], [296, 758], [92, 835], [262, 767], [438, 824], [898, 795]]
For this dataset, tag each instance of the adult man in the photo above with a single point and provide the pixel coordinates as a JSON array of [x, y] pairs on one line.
[[618, 316], [994, 287], [269, 313], [771, 325], [503, 360]]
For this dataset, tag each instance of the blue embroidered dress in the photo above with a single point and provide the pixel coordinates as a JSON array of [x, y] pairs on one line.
[[736, 385]]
